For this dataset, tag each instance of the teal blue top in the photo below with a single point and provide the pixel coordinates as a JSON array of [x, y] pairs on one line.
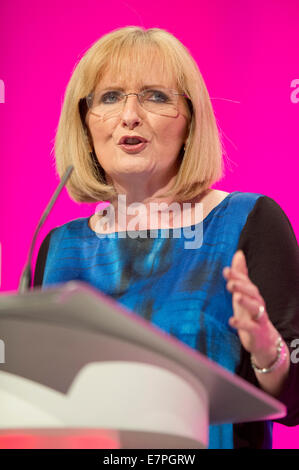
[[181, 290]]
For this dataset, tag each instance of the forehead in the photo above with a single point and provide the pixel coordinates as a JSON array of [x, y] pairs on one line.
[[135, 76]]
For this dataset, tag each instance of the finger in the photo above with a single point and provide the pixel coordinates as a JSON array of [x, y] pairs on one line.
[[246, 324], [252, 307], [244, 287], [230, 273]]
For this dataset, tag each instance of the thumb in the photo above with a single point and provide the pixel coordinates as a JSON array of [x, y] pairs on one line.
[[239, 262]]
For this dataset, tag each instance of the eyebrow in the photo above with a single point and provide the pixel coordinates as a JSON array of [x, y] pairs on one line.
[[115, 87]]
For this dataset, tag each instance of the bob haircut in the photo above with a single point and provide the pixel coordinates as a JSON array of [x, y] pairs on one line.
[[201, 160]]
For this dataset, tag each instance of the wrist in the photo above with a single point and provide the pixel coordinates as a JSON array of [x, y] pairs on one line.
[[265, 359], [277, 361], [265, 355]]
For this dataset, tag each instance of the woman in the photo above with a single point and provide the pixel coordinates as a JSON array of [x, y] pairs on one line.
[[234, 296]]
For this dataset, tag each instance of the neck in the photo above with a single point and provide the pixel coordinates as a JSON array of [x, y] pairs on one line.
[[142, 210], [138, 191]]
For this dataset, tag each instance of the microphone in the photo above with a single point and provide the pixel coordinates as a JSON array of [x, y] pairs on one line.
[[25, 280]]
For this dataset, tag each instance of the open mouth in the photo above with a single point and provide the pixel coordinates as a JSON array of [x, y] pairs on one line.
[[132, 144]]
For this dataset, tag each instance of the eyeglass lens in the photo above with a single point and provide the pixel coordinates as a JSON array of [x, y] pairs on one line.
[[107, 104]]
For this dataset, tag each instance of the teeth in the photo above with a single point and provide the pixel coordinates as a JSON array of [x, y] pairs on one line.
[[132, 140]]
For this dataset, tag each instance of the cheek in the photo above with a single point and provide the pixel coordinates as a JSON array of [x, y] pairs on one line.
[[173, 133], [100, 131]]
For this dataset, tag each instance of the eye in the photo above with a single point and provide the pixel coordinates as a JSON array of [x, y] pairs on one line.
[[157, 96], [110, 97]]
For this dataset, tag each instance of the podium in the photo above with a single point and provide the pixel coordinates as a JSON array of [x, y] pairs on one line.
[[76, 360]]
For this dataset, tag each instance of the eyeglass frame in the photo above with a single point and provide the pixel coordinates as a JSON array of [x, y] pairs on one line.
[[87, 98]]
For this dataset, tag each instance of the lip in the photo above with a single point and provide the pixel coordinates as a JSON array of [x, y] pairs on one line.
[[133, 148], [124, 137]]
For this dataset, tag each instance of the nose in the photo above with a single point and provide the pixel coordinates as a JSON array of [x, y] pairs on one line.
[[131, 114]]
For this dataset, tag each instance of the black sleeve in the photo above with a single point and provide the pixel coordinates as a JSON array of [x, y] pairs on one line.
[[272, 254], [41, 260]]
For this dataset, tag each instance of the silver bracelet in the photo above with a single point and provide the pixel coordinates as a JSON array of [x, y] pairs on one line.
[[280, 358]]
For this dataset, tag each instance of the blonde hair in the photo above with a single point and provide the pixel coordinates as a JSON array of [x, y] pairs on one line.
[[201, 164]]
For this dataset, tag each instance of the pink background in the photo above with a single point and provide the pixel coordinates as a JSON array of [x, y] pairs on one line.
[[247, 52]]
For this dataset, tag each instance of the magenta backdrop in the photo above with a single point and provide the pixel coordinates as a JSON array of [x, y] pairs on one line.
[[247, 52]]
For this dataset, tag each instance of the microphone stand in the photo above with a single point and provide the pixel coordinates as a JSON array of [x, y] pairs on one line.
[[25, 280]]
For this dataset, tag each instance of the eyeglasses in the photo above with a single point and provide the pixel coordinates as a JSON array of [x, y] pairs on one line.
[[108, 104]]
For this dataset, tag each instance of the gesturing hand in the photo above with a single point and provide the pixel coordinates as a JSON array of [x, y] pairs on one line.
[[256, 332]]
